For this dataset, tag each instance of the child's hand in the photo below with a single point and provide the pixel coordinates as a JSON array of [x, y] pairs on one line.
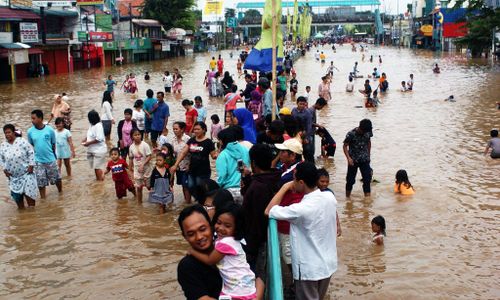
[[73, 154]]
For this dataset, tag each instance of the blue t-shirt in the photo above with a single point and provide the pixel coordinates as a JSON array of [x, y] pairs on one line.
[[43, 141], [159, 116], [202, 113], [111, 85], [148, 104]]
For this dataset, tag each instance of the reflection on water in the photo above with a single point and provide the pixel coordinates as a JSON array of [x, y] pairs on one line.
[[441, 243]]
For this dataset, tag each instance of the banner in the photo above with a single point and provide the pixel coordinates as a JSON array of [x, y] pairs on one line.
[[104, 22], [100, 36], [28, 32], [89, 2]]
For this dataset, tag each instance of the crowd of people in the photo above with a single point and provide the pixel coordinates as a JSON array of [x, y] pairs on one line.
[[264, 156]]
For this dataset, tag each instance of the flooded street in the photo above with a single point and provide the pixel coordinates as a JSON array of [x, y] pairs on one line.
[[442, 243]]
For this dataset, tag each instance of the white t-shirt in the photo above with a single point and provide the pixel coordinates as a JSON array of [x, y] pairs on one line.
[[96, 132], [138, 117], [168, 80], [107, 112]]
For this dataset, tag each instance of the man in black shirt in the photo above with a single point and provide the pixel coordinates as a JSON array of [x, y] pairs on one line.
[[198, 281]]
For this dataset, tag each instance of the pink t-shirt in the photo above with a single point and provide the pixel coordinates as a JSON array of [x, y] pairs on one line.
[[238, 279]]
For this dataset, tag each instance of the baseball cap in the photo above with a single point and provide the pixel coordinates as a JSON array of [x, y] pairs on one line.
[[293, 145], [285, 111]]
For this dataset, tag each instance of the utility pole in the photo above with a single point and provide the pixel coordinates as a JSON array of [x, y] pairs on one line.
[[130, 17], [88, 35], [274, 56]]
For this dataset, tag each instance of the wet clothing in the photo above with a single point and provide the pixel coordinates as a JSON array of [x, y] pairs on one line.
[[63, 150], [358, 145], [16, 158], [160, 185], [403, 189], [120, 177], [494, 144], [328, 144]]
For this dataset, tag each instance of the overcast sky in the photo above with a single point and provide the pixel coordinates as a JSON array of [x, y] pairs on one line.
[[390, 6]]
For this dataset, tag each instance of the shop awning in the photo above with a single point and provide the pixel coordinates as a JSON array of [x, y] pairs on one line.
[[8, 14], [14, 46]]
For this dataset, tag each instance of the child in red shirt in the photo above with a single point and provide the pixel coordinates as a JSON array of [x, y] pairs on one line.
[[118, 168]]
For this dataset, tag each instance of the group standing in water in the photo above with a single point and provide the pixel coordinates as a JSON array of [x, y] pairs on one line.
[[265, 168]]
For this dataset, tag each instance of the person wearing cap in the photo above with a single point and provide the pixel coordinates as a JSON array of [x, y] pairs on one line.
[[285, 111], [290, 157], [313, 232], [357, 148]]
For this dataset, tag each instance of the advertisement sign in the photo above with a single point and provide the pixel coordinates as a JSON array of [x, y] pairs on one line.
[[18, 57], [104, 22], [213, 10], [52, 3], [5, 37], [28, 32], [100, 36], [82, 36], [231, 22], [89, 2]]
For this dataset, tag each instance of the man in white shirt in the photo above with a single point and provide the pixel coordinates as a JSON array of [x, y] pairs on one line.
[[312, 232]]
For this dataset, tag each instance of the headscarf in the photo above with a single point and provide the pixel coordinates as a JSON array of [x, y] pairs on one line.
[[245, 120]]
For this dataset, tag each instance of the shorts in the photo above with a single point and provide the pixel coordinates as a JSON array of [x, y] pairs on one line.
[[97, 161], [106, 125], [182, 178], [147, 125], [168, 89], [285, 249], [46, 174], [141, 179], [18, 198], [154, 135]]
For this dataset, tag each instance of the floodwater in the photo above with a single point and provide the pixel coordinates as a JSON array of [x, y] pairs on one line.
[[442, 243]]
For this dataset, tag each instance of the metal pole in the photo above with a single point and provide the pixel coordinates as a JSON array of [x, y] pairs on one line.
[[88, 33], [130, 17], [274, 56]]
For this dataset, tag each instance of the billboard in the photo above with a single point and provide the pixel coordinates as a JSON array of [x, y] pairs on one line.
[[28, 32], [100, 36], [213, 11], [89, 2], [104, 22]]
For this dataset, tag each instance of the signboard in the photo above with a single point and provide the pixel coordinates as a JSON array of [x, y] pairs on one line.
[[104, 22], [82, 36], [176, 33], [213, 11], [89, 2], [426, 30], [231, 22], [5, 37], [63, 3], [229, 29], [17, 57], [100, 36], [28, 32]]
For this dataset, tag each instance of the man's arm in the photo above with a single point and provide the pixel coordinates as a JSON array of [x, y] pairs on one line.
[[346, 153], [278, 197]]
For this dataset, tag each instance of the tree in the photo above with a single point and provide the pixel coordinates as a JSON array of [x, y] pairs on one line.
[[252, 13], [482, 22], [198, 14], [172, 13], [230, 13]]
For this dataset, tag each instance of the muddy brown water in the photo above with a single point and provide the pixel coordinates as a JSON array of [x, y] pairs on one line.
[[442, 243]]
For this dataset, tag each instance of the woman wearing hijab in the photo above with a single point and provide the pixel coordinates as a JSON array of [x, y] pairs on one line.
[[244, 118], [227, 82]]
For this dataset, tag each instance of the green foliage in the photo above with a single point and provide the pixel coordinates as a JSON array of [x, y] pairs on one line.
[[252, 13], [482, 20], [198, 14], [230, 13], [171, 13]]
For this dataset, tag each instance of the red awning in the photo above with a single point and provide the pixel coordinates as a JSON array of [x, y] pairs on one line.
[[7, 14]]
